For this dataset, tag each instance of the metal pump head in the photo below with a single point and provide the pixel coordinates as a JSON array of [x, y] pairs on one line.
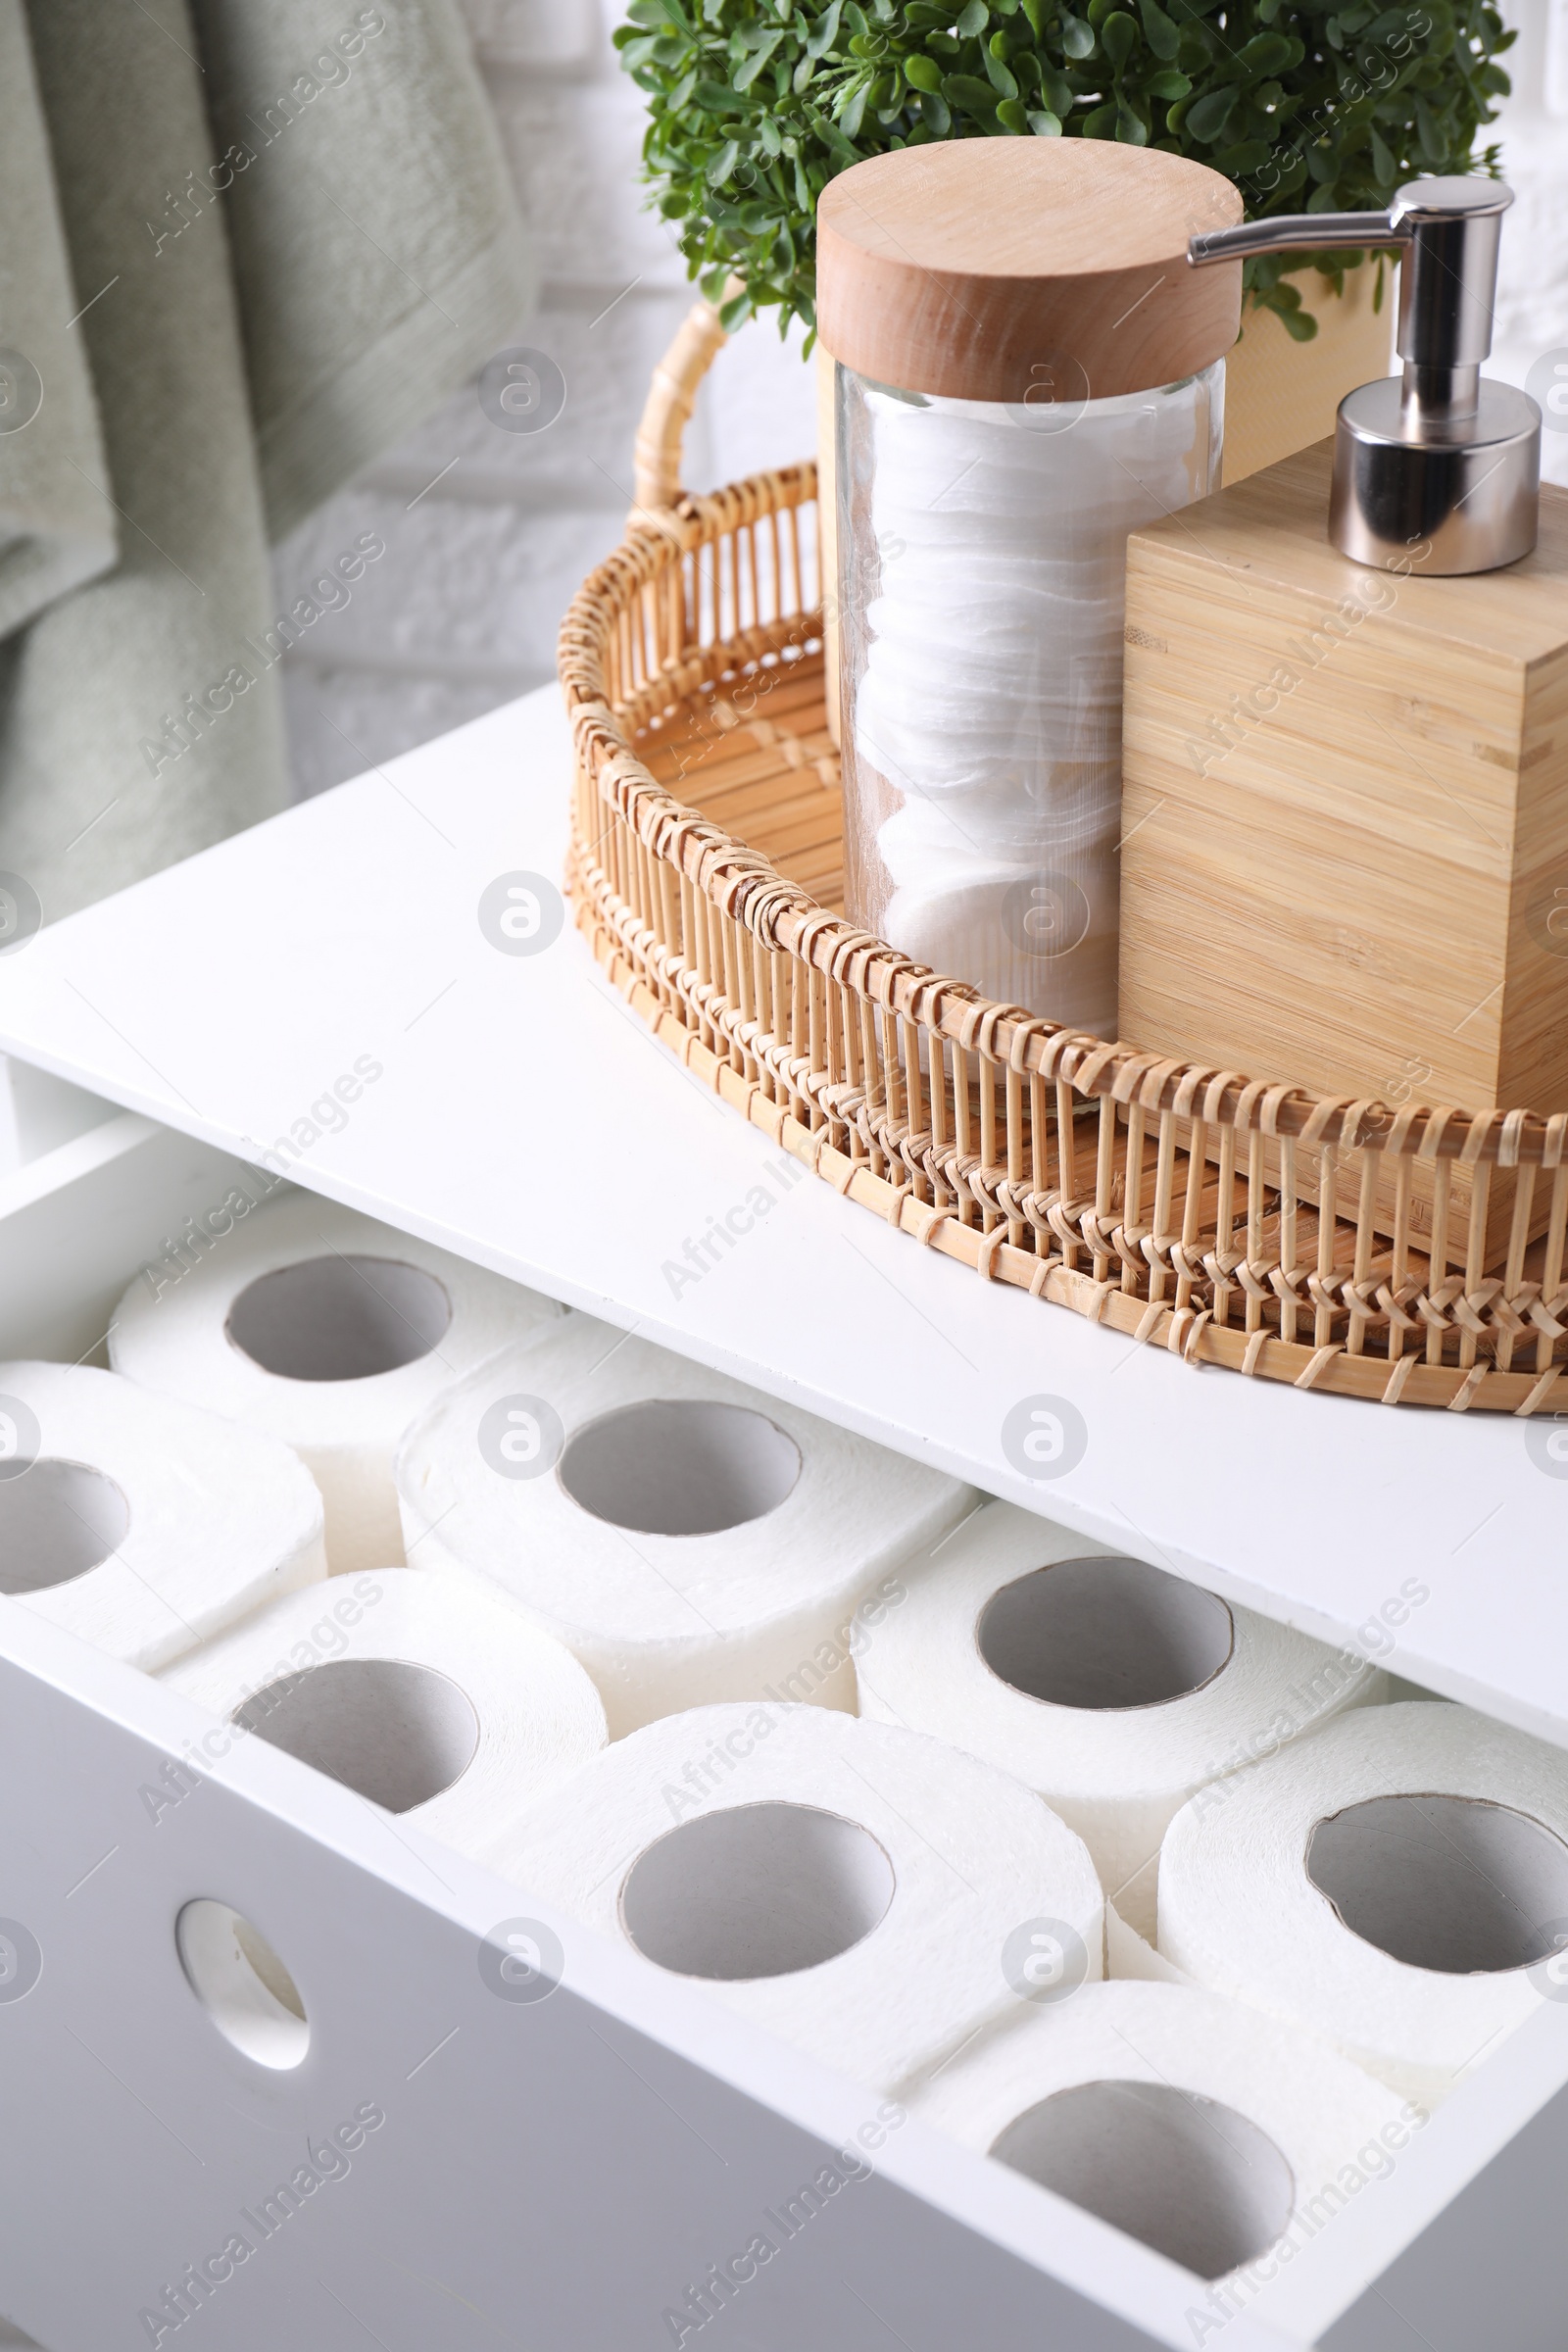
[[1442, 459]]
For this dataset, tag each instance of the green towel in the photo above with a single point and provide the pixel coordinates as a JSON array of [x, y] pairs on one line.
[[55, 529], [291, 234], [376, 245]]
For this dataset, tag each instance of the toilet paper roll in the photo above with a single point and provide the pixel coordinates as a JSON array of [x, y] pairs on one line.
[[1111, 1688], [138, 1522], [425, 1692], [1399, 1883], [1128, 1955], [688, 1539], [1206, 2130], [332, 1332], [864, 1893]]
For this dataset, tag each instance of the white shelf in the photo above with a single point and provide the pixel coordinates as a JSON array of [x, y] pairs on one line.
[[525, 1117]]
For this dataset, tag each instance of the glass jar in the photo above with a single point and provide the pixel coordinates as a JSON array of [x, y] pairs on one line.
[[1027, 371], [982, 548]]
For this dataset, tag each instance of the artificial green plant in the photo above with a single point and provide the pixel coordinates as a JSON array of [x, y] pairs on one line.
[[754, 105]]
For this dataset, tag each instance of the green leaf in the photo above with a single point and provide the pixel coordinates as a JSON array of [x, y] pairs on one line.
[[1247, 155], [824, 32], [1382, 163], [971, 95], [1158, 31], [724, 163], [1077, 38], [852, 115], [1266, 53], [1207, 120], [747, 73], [1035, 10], [922, 72], [1131, 128], [734, 314], [831, 136], [1168, 85], [1011, 116], [972, 18], [1102, 123], [1118, 37], [1057, 90], [1045, 126], [1434, 146], [996, 73], [935, 111]]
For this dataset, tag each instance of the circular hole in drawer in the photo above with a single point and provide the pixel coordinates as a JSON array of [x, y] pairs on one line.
[[1445, 1883], [339, 1318], [756, 1891], [241, 1982], [393, 1731], [57, 1520], [679, 1466], [1104, 1633], [1186, 2175]]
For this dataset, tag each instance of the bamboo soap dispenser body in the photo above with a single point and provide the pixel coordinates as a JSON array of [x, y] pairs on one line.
[[1345, 822]]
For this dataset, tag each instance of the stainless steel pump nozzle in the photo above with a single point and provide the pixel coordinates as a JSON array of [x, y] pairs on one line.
[[1442, 459]]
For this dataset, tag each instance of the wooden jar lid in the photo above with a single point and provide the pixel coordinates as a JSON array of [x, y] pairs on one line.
[[1013, 269]]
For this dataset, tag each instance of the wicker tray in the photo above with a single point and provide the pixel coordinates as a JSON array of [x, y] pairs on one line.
[[1228, 1218]]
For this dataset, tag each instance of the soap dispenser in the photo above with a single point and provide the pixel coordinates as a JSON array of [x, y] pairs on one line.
[[1345, 819]]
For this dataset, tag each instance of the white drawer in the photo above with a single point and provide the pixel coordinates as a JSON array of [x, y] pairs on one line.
[[559, 2171]]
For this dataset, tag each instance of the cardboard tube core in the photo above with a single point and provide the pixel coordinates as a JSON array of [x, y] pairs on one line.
[[1184, 2174], [679, 1466], [339, 1318], [1104, 1633], [57, 1520], [1454, 1884], [756, 1891], [392, 1731]]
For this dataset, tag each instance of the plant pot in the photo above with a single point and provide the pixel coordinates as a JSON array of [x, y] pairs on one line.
[[1280, 396]]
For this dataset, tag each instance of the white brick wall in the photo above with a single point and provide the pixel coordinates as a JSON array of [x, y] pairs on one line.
[[488, 532]]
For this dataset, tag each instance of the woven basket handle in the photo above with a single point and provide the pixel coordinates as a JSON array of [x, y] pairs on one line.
[[671, 397]]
